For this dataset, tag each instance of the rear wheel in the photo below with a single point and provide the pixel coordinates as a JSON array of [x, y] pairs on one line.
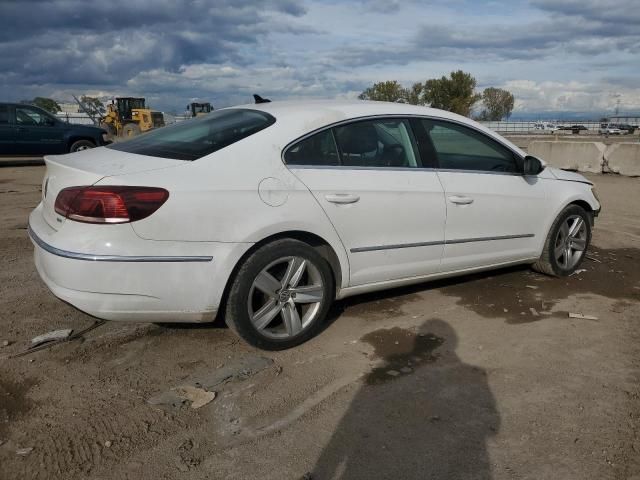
[[81, 145], [566, 244], [280, 295]]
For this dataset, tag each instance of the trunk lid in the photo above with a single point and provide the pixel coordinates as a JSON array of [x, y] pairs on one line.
[[86, 168]]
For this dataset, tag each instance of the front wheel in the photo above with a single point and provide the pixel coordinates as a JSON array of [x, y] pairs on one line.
[[81, 145], [566, 244], [280, 295]]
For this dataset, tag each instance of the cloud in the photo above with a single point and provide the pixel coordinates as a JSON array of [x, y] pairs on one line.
[[554, 54], [573, 96]]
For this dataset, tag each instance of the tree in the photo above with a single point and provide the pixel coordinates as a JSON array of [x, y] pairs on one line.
[[93, 104], [388, 91], [498, 104], [455, 93], [415, 94], [46, 104]]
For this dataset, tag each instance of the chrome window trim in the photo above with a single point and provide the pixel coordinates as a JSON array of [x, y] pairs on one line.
[[356, 167], [400, 169], [396, 115], [111, 258], [438, 242]]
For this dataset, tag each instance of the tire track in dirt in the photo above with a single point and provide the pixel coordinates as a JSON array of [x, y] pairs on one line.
[[106, 434]]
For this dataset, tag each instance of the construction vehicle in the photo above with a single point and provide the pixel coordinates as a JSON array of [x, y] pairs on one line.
[[129, 116], [199, 109]]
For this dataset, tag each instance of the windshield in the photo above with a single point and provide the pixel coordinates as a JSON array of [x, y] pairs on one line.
[[195, 138]]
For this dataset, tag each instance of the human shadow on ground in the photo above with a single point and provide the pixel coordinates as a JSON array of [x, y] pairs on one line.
[[421, 414]]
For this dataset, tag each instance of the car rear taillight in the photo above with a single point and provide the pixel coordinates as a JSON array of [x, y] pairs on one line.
[[118, 204]]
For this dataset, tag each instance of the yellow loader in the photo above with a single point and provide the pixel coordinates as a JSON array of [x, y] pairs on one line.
[[128, 116]]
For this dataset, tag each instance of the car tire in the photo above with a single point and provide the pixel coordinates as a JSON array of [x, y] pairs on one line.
[[280, 295], [80, 145], [567, 243], [130, 130]]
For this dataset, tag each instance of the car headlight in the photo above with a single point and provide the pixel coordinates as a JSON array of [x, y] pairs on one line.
[[105, 137], [595, 194]]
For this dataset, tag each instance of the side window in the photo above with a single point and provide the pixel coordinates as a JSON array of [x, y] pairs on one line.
[[377, 143], [30, 116], [461, 148], [319, 149], [4, 114]]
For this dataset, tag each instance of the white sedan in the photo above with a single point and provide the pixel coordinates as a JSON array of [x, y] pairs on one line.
[[265, 214]]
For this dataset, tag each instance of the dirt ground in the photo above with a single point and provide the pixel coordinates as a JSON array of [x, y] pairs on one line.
[[479, 377]]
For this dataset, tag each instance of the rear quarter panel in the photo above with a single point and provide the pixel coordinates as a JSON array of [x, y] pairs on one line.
[[217, 199]]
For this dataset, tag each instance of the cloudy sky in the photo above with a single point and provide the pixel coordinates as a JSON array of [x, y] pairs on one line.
[[554, 55]]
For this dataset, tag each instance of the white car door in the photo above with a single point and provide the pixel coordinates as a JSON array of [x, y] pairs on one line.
[[494, 213], [388, 211]]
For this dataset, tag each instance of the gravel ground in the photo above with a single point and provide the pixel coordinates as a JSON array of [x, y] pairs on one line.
[[479, 377]]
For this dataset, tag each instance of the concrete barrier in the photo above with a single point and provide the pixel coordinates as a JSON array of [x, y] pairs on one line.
[[579, 156], [623, 158]]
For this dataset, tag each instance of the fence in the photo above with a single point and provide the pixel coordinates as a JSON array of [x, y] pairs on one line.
[[83, 118], [500, 127], [534, 127]]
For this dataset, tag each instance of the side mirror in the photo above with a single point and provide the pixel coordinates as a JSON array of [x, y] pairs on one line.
[[532, 165]]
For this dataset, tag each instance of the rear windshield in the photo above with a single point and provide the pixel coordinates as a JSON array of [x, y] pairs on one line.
[[193, 139]]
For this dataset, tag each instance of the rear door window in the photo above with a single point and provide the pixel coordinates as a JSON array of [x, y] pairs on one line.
[[318, 150], [4, 114], [193, 139], [377, 143]]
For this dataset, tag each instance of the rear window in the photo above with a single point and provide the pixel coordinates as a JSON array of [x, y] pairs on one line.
[[193, 139]]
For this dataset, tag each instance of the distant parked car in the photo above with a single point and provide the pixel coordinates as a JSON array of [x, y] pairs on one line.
[[546, 126], [575, 129], [610, 129], [29, 130], [625, 127]]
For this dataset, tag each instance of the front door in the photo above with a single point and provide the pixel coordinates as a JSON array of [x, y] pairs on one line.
[[493, 211], [388, 211]]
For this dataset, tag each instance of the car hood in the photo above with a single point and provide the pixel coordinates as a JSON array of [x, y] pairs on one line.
[[568, 176]]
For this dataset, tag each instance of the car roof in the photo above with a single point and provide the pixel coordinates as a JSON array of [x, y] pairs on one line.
[[305, 116]]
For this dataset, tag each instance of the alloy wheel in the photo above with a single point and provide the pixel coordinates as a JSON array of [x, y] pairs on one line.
[[571, 242], [286, 297]]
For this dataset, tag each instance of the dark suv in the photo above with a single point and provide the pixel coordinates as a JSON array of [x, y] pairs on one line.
[[29, 130]]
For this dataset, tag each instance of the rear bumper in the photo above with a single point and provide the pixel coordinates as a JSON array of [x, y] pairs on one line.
[[164, 285]]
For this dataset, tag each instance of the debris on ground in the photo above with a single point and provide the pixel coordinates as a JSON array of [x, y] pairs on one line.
[[593, 259], [238, 369], [533, 287], [578, 272], [108, 444], [6, 343], [582, 317], [198, 397], [56, 341], [533, 311], [24, 451], [51, 336]]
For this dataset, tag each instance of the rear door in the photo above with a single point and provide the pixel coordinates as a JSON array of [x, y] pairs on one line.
[[38, 132], [387, 209], [7, 131], [494, 213]]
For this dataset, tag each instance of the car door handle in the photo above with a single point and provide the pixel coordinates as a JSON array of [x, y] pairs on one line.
[[459, 200], [342, 198]]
